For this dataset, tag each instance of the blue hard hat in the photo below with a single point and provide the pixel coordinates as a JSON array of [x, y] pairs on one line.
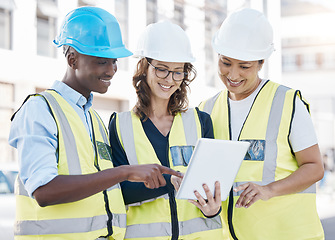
[[92, 31]]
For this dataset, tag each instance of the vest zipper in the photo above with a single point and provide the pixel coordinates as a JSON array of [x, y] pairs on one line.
[[173, 208], [230, 214], [230, 209], [174, 217]]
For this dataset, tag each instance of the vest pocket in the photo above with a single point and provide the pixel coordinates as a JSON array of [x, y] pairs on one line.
[[104, 151], [256, 150], [252, 166], [181, 155]]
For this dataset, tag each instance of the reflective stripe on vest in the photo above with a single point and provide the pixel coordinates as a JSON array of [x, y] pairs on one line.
[[209, 104], [63, 226], [71, 152], [127, 136], [69, 225], [155, 229]]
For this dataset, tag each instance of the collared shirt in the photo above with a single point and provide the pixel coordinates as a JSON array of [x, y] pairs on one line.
[[34, 133]]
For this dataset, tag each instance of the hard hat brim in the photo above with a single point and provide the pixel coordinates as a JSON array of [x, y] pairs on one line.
[[164, 58], [110, 53], [120, 52], [240, 54]]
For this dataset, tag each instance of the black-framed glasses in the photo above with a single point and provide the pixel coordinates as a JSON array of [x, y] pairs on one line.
[[164, 73]]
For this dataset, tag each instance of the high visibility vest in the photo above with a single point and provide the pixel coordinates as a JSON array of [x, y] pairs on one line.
[[269, 158], [101, 214], [151, 219]]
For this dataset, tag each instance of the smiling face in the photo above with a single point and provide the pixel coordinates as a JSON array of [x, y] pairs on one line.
[[90, 74], [240, 77], [162, 89]]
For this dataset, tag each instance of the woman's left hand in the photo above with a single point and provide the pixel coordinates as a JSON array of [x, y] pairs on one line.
[[211, 206], [176, 181], [251, 193]]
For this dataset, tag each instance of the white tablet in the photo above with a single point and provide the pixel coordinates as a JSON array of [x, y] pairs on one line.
[[212, 160]]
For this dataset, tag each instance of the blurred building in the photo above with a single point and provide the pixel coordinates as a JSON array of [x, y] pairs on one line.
[[308, 61], [29, 62]]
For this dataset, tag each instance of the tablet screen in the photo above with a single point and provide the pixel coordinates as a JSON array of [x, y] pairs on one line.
[[212, 160]]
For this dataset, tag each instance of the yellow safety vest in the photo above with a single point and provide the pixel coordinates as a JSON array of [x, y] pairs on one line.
[[89, 218], [269, 158], [151, 219]]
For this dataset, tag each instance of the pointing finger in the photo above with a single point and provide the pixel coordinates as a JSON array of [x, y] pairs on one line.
[[170, 171]]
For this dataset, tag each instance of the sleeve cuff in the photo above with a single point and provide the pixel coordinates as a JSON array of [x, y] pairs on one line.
[[214, 214], [169, 185]]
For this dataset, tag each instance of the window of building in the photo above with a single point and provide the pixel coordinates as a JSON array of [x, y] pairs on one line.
[[289, 62], [329, 60], [319, 60], [6, 111], [106, 106], [82, 3], [179, 13], [5, 27], [298, 61], [309, 61], [151, 11], [47, 13], [122, 17], [239, 4]]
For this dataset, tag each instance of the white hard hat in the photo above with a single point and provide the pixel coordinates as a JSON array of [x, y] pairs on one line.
[[245, 35], [164, 41]]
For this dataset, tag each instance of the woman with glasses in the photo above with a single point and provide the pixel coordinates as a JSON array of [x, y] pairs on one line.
[[161, 129]]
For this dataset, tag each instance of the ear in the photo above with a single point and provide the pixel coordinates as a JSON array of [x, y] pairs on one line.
[[72, 60]]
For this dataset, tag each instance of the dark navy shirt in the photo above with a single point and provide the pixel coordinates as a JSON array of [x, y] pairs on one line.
[[135, 192]]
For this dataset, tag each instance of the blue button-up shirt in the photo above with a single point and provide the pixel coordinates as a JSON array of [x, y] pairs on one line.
[[34, 133]]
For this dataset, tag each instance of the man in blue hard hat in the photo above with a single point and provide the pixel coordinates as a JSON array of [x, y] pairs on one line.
[[67, 186]]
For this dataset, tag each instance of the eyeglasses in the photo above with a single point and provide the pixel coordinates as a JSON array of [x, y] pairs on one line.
[[164, 73]]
